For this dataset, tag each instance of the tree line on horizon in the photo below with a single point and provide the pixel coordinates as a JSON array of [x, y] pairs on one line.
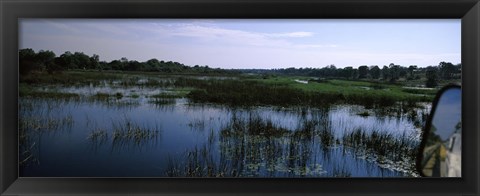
[[45, 60], [391, 73]]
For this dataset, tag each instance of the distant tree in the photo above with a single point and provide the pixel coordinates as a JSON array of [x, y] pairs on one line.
[[115, 65], [394, 71], [411, 71], [26, 53], [44, 57], [103, 65], [385, 73], [458, 67], [152, 65], [432, 77], [134, 66], [57, 65], [94, 62], [362, 71], [68, 60], [403, 72], [124, 60], [375, 72], [330, 71], [447, 70], [81, 60], [354, 74], [348, 72], [458, 71], [26, 60]]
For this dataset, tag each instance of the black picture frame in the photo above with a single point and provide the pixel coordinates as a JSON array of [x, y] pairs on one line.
[[11, 11]]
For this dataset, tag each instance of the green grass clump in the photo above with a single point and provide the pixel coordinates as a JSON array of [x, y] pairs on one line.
[[284, 91], [25, 90], [118, 95], [101, 96], [132, 132], [430, 92], [49, 95], [364, 114], [98, 134], [253, 126], [165, 95], [250, 93], [382, 144], [162, 101], [135, 96], [69, 77]]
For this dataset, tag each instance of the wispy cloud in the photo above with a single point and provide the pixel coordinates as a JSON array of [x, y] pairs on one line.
[[232, 36], [239, 44], [291, 34], [317, 45], [61, 26], [200, 32]]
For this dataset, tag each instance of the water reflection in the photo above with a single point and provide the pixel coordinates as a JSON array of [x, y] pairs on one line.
[[179, 138]]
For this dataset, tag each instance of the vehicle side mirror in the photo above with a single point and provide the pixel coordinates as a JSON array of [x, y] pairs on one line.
[[440, 152]]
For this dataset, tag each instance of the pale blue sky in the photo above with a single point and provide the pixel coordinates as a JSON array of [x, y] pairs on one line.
[[243, 43]]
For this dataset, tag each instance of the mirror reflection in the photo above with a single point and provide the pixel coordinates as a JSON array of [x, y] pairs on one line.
[[443, 147]]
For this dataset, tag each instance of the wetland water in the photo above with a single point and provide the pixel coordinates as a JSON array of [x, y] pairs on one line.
[[136, 135]]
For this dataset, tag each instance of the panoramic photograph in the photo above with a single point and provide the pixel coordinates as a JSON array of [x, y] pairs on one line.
[[241, 98]]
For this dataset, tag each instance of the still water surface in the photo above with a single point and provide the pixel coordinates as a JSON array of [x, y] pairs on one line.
[[183, 133]]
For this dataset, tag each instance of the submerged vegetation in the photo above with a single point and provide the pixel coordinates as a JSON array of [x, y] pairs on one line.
[[254, 146], [32, 127], [125, 132], [132, 132]]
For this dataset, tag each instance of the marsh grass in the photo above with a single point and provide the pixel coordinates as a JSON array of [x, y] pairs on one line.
[[162, 101], [199, 162], [29, 92], [134, 96], [118, 95], [364, 114], [431, 92], [98, 135], [100, 96], [69, 78], [253, 125], [254, 146], [247, 155], [45, 124], [197, 124], [27, 148], [165, 95], [31, 127], [241, 91], [254, 92], [114, 99], [341, 172], [382, 145], [131, 132], [250, 145]]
